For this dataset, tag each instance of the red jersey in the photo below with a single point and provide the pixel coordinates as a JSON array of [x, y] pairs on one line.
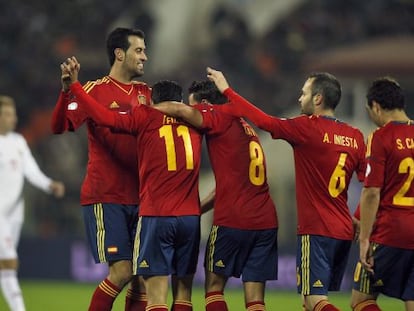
[[326, 153], [111, 175], [390, 156], [242, 197], [169, 155]]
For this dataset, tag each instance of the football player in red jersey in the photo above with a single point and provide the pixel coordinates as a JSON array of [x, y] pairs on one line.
[[168, 234], [245, 221], [327, 152], [109, 193], [387, 203]]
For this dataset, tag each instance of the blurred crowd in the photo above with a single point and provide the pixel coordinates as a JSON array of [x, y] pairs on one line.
[[267, 68]]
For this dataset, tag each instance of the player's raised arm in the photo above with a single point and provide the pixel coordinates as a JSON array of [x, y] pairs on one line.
[[238, 105], [91, 107]]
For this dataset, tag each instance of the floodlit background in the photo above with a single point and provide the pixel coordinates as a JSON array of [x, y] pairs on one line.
[[266, 48]]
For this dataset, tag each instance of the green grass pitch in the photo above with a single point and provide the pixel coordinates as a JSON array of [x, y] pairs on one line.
[[67, 296]]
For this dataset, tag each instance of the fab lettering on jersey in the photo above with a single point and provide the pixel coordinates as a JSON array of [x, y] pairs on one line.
[[169, 120], [406, 143], [248, 129], [341, 140]]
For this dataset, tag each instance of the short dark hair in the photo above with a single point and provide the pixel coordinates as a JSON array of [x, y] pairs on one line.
[[387, 93], [118, 38], [206, 90], [328, 86], [166, 90]]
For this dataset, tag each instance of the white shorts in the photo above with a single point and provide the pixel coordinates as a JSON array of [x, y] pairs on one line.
[[9, 238]]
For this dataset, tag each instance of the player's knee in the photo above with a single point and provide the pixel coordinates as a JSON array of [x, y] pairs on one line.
[[120, 273]]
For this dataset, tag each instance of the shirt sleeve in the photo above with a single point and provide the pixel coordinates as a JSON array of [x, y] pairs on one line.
[[32, 171], [241, 107], [376, 158]]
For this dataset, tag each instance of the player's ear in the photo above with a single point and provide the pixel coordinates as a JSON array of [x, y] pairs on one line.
[[119, 54], [317, 99]]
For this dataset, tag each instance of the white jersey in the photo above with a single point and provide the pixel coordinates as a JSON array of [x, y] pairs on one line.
[[16, 165]]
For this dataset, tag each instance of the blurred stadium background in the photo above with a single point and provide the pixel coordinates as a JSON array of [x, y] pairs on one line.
[[266, 48]]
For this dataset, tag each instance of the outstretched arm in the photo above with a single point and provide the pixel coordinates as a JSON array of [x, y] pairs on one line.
[[238, 105], [182, 111]]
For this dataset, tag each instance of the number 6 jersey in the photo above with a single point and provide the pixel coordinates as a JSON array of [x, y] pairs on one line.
[[326, 152]]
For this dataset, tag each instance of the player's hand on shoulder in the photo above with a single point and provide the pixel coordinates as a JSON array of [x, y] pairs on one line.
[[57, 188]]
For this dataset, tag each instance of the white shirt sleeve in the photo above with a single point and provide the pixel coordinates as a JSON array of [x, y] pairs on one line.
[[32, 171]]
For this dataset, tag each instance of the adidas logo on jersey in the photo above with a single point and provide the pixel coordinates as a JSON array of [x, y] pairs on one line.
[[144, 264], [114, 105], [220, 264], [317, 283]]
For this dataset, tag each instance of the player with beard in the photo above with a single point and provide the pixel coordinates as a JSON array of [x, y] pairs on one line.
[[327, 152], [109, 193]]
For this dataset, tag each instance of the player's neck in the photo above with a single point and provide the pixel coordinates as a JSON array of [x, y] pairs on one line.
[[396, 115], [120, 75]]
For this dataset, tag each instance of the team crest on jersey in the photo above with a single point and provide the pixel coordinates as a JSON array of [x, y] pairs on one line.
[[113, 105], [142, 99]]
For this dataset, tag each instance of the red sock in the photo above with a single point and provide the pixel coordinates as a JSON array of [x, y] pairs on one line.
[[104, 296], [367, 305], [182, 305], [135, 301], [156, 308], [324, 305], [255, 306], [215, 302]]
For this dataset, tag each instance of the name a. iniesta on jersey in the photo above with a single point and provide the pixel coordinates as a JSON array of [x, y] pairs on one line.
[[341, 140]]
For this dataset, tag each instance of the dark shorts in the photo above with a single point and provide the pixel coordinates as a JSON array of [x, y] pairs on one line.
[[249, 253], [320, 264], [110, 230], [393, 273], [167, 245]]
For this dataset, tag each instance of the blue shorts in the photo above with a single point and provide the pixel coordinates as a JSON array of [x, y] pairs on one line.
[[393, 273], [110, 230], [320, 264], [249, 253], [167, 245]]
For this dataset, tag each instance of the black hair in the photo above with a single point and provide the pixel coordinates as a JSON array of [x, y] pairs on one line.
[[206, 90], [387, 93], [328, 86], [118, 38], [166, 90]]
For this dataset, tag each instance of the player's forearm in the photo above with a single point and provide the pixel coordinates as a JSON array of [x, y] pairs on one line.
[[182, 111], [370, 198], [59, 122], [92, 108], [241, 107]]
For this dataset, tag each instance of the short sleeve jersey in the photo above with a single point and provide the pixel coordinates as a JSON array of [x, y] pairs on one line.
[[326, 153], [242, 198], [111, 175], [390, 166]]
